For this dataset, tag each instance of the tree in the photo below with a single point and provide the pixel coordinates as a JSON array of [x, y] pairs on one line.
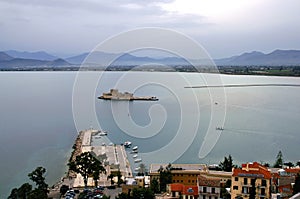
[[165, 177], [13, 194], [142, 193], [41, 190], [63, 189], [142, 170], [119, 176], [298, 163], [24, 190], [111, 177], [227, 164], [289, 164], [279, 160], [154, 186], [224, 192], [86, 164], [122, 196]]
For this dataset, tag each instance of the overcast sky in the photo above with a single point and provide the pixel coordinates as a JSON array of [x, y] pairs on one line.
[[223, 27]]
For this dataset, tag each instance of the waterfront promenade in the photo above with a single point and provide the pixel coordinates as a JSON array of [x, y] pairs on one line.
[[113, 157]]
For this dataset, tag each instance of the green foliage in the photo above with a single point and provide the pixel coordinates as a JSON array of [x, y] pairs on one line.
[[63, 189], [105, 197], [119, 176], [37, 176], [86, 164], [142, 193], [224, 193], [142, 170], [279, 160], [122, 196], [227, 164], [111, 176], [165, 177], [26, 192], [154, 186]]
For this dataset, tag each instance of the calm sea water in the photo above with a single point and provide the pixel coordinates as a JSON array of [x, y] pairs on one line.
[[37, 126]]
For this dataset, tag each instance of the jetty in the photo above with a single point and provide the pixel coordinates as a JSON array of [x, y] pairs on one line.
[[114, 94]]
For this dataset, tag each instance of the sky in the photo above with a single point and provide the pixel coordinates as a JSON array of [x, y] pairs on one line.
[[223, 27]]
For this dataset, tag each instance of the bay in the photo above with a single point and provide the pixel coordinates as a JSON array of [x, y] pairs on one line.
[[37, 125]]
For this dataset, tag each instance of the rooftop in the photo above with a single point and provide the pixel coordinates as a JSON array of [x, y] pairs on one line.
[[254, 170], [178, 167]]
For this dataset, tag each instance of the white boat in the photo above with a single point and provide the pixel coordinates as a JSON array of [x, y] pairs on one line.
[[138, 160], [127, 144], [137, 169], [135, 148], [135, 156], [103, 133]]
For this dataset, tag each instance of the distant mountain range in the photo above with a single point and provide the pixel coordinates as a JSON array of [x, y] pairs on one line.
[[16, 59], [275, 58]]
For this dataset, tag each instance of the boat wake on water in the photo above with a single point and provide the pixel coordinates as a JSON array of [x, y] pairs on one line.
[[251, 132], [245, 85]]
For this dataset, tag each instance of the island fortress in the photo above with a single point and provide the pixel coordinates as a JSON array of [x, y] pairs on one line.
[[114, 94]]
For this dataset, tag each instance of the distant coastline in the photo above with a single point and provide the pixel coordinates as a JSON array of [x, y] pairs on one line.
[[276, 63], [293, 71]]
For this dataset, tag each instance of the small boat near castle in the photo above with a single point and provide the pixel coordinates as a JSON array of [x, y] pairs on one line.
[[114, 94]]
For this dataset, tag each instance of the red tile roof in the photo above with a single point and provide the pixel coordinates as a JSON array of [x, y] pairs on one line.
[[292, 170], [252, 170], [184, 189]]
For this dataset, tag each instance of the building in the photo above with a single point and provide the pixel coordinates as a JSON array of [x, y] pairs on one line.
[[252, 178], [282, 181], [209, 188], [185, 174], [177, 190]]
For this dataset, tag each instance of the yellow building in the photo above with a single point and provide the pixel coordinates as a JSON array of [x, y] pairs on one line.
[[185, 174], [252, 178]]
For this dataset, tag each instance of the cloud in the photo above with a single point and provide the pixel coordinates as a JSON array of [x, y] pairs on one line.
[[77, 25]]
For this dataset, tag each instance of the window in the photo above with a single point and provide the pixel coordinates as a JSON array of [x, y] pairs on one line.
[[181, 180], [263, 183], [204, 189], [204, 197], [245, 180], [253, 181], [216, 197], [263, 191], [213, 190], [189, 181], [235, 188], [245, 190], [209, 197], [236, 179]]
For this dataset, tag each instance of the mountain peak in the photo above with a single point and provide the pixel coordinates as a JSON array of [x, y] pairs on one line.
[[40, 55], [5, 57]]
